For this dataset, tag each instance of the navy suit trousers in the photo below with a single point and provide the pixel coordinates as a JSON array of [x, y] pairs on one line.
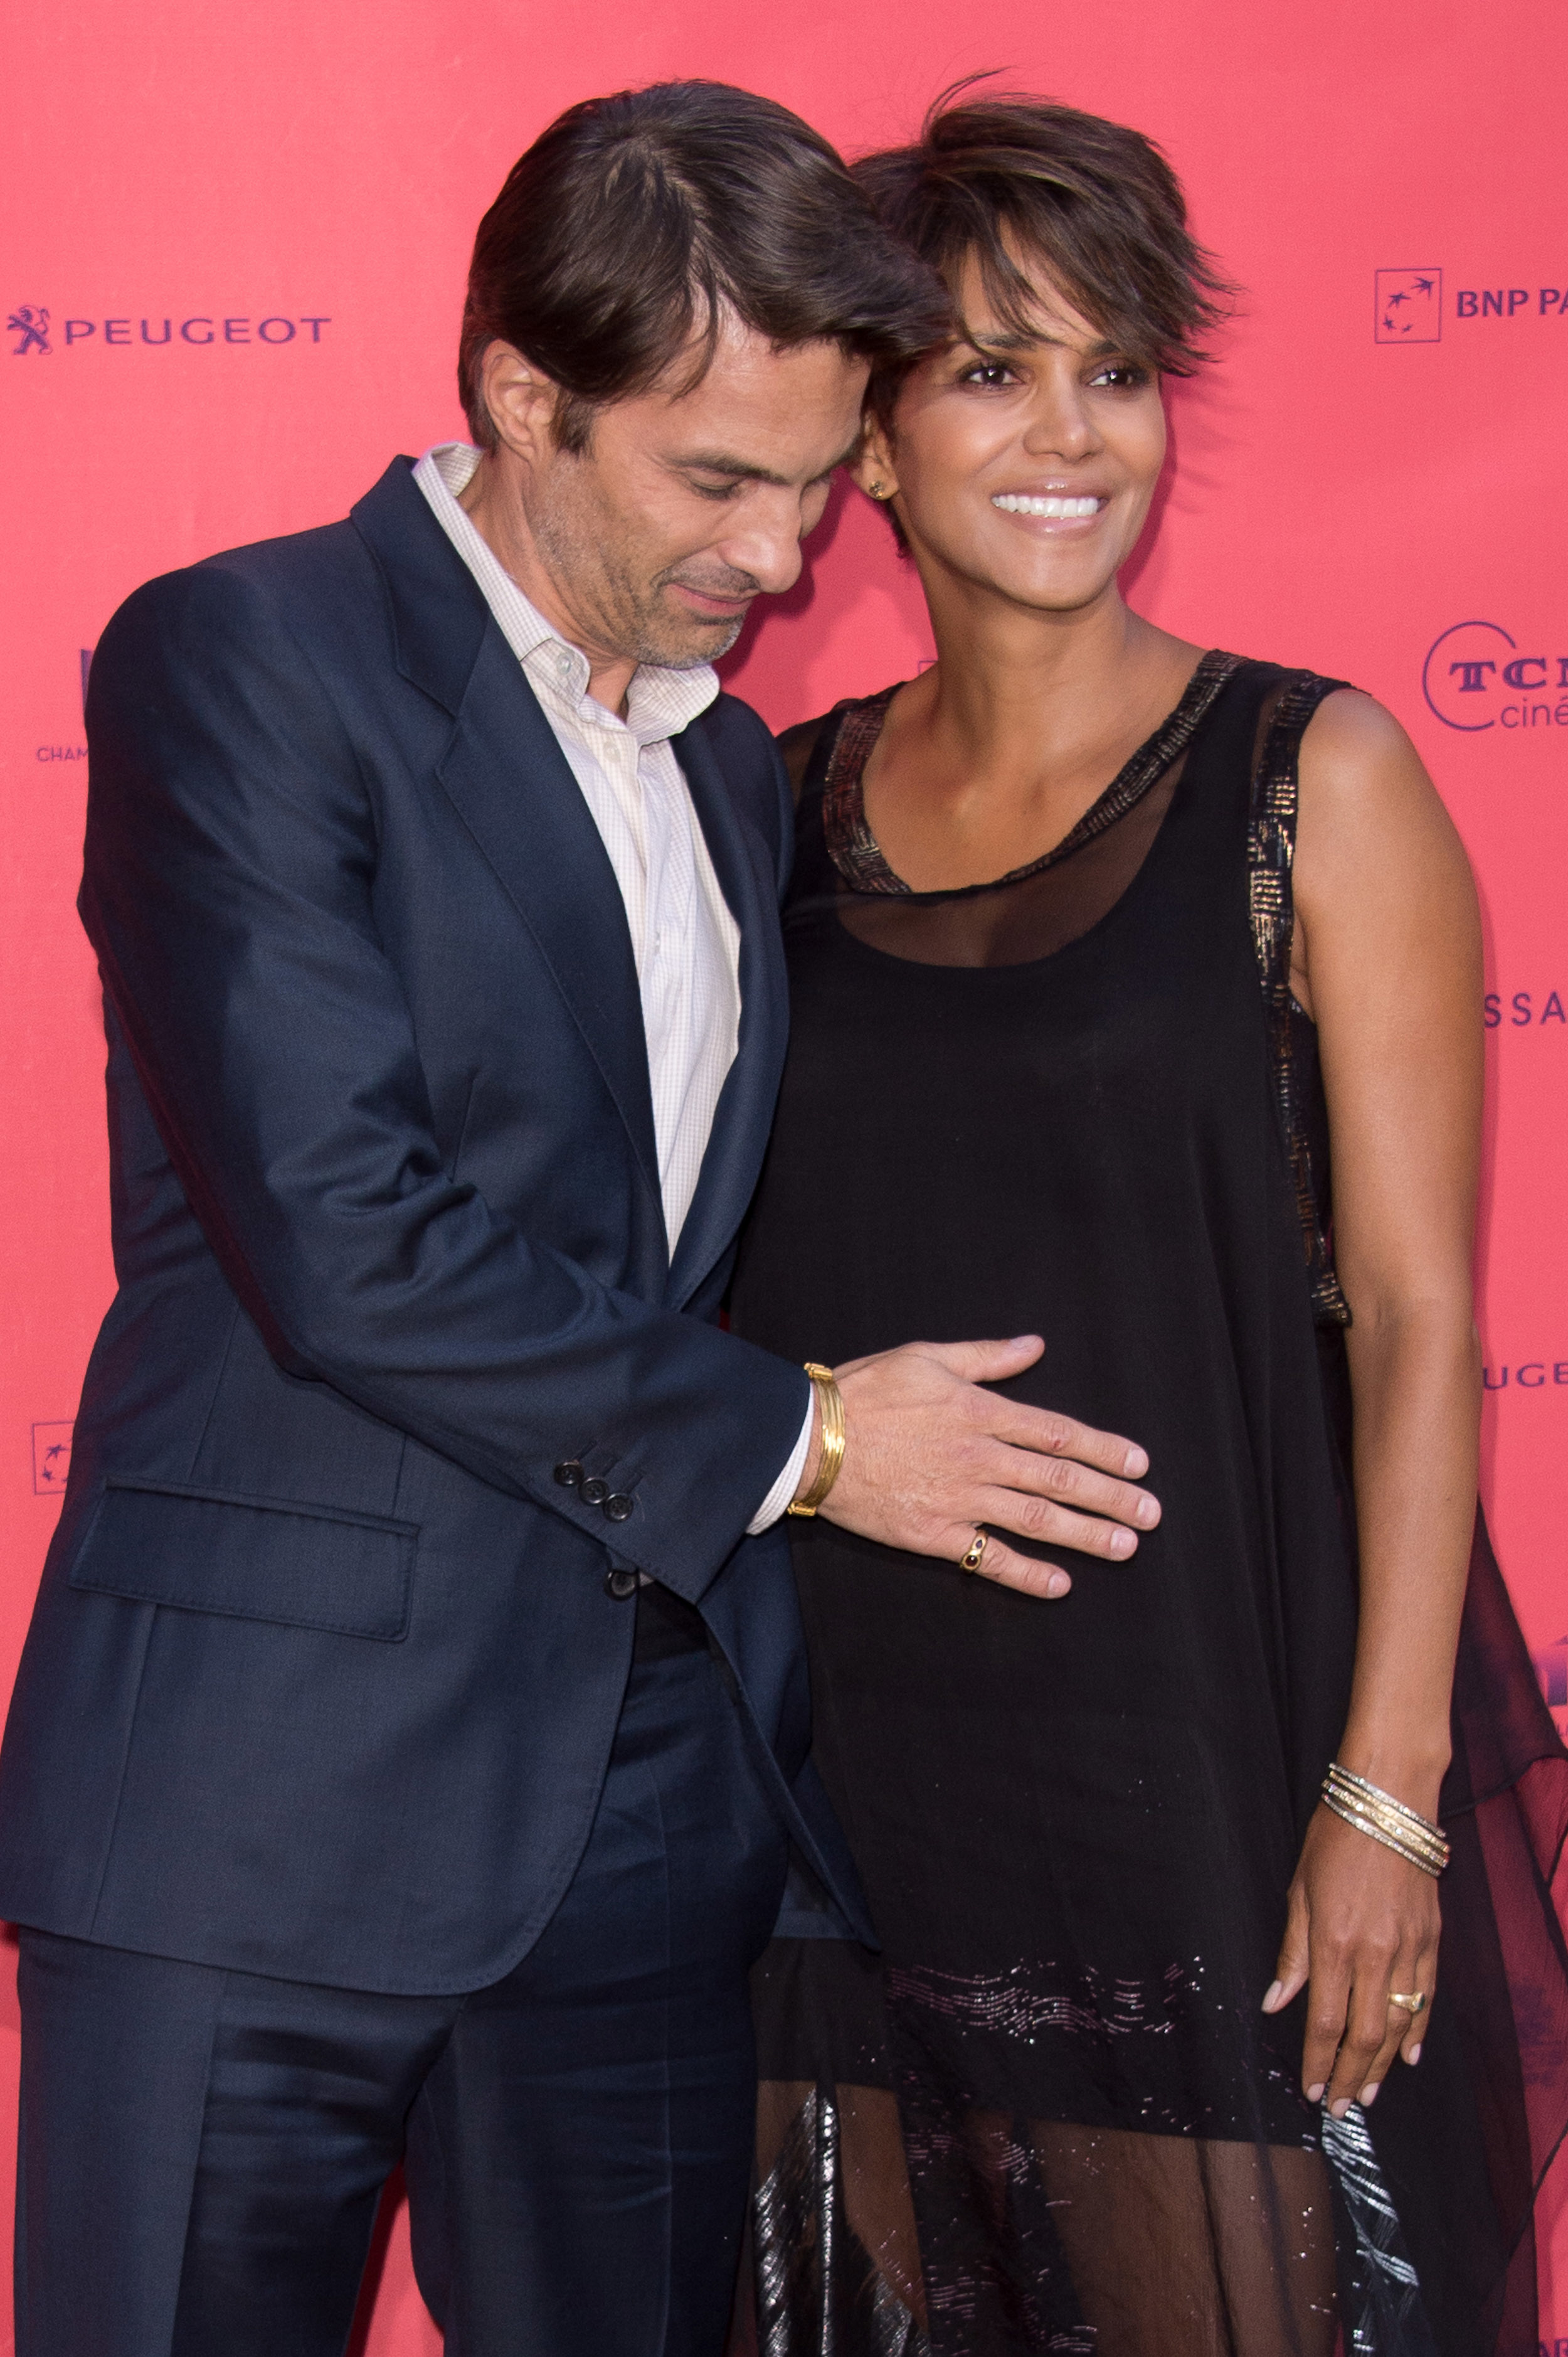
[[203, 2151]]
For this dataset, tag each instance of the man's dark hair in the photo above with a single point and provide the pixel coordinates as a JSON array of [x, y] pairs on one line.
[[1008, 179], [635, 222]]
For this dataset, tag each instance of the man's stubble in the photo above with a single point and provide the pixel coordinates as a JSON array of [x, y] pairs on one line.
[[596, 570]]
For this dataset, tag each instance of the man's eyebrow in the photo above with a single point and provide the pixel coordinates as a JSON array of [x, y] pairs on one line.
[[743, 471]]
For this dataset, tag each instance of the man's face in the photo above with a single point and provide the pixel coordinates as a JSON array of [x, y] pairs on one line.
[[684, 506]]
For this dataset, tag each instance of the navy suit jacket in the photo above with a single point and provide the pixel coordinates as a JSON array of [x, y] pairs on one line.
[[325, 1668]]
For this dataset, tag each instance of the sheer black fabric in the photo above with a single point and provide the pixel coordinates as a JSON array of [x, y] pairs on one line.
[[1050, 2116]]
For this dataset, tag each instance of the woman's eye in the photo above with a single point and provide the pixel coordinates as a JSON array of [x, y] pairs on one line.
[[992, 374], [1128, 376]]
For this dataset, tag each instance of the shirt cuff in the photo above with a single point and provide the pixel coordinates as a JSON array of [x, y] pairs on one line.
[[789, 1481]]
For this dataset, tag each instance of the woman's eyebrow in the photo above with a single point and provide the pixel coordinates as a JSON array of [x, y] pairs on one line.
[[1019, 340]]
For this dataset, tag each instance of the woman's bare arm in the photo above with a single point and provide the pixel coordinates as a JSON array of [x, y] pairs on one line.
[[1387, 962]]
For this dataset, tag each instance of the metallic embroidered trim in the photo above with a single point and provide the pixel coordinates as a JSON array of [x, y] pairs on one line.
[[818, 2292], [1270, 860], [1388, 2317], [858, 857], [1027, 2000]]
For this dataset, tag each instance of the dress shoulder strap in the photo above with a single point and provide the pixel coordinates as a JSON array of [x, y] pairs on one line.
[[1270, 861]]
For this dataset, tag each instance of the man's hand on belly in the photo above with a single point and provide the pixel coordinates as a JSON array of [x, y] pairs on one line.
[[931, 1461]]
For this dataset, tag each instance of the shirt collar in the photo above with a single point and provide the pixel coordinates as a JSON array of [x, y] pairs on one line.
[[659, 702]]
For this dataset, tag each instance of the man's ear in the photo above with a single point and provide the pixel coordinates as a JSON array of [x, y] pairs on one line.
[[519, 399], [872, 466]]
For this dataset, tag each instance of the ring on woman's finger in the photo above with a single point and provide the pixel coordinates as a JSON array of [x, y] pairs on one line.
[[975, 1556], [1413, 2003]]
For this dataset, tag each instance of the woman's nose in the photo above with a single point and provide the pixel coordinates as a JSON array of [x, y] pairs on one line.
[[1060, 424]]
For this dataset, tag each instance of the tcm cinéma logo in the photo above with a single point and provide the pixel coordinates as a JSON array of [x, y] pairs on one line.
[[35, 329], [1477, 676]]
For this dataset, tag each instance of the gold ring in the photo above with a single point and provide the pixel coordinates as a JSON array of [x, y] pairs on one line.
[[1414, 2003], [976, 1555]]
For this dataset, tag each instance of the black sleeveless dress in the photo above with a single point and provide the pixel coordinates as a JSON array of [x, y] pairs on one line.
[[1051, 2115]]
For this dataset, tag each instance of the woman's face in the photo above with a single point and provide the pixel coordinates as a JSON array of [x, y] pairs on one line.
[[1024, 466]]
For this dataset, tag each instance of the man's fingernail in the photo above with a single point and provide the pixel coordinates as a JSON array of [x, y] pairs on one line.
[[1148, 1512], [1138, 1464], [1122, 1541], [1415, 2054], [1370, 2092], [1058, 1583], [1337, 2111], [1314, 2095], [1273, 1998]]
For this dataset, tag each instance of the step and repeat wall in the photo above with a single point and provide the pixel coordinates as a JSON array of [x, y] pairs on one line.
[[235, 247]]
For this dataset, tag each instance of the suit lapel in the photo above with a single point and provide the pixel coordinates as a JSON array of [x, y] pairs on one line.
[[511, 785], [744, 1111]]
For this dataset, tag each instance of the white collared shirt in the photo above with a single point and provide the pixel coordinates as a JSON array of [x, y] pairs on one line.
[[685, 942]]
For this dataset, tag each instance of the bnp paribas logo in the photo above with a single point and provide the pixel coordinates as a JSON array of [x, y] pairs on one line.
[[1408, 306]]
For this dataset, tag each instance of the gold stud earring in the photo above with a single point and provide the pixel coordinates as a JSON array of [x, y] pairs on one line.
[[879, 489]]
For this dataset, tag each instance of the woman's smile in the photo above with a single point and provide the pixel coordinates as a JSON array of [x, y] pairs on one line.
[[1051, 507]]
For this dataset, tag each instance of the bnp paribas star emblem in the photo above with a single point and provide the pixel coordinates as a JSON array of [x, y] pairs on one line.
[[30, 326], [1409, 306]]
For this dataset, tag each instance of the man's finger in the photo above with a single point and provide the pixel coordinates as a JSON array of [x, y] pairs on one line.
[[1052, 1526], [1071, 1484], [1048, 1434], [985, 1363], [1023, 1572]]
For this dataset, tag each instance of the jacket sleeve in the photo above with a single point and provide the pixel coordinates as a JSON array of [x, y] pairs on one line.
[[231, 854]]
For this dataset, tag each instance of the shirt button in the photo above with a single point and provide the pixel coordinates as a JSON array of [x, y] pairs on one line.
[[569, 1473], [618, 1508], [621, 1584], [593, 1492]]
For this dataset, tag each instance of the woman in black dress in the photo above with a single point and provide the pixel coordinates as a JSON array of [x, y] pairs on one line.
[[1102, 948]]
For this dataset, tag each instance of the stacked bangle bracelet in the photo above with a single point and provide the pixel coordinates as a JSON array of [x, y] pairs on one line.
[[1374, 1812], [831, 1404]]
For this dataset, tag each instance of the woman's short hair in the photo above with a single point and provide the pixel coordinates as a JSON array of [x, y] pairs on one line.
[[636, 223], [1006, 178]]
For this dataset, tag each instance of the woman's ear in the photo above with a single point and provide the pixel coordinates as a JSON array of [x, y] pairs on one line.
[[872, 466]]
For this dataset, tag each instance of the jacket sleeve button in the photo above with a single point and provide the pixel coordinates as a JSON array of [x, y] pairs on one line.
[[593, 1492], [621, 1584], [618, 1508], [569, 1473]]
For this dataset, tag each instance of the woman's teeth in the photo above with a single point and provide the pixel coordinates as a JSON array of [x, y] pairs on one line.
[[1015, 503]]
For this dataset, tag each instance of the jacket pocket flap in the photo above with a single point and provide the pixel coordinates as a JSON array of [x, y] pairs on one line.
[[253, 1559]]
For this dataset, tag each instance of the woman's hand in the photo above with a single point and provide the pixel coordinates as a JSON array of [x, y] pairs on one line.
[[1360, 1922]]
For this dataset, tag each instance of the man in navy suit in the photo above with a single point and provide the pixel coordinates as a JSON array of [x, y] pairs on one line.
[[412, 1732]]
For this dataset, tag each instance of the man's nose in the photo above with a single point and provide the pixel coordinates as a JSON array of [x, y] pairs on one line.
[[767, 546]]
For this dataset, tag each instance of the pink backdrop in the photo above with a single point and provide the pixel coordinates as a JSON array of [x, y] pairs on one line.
[[248, 230]]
